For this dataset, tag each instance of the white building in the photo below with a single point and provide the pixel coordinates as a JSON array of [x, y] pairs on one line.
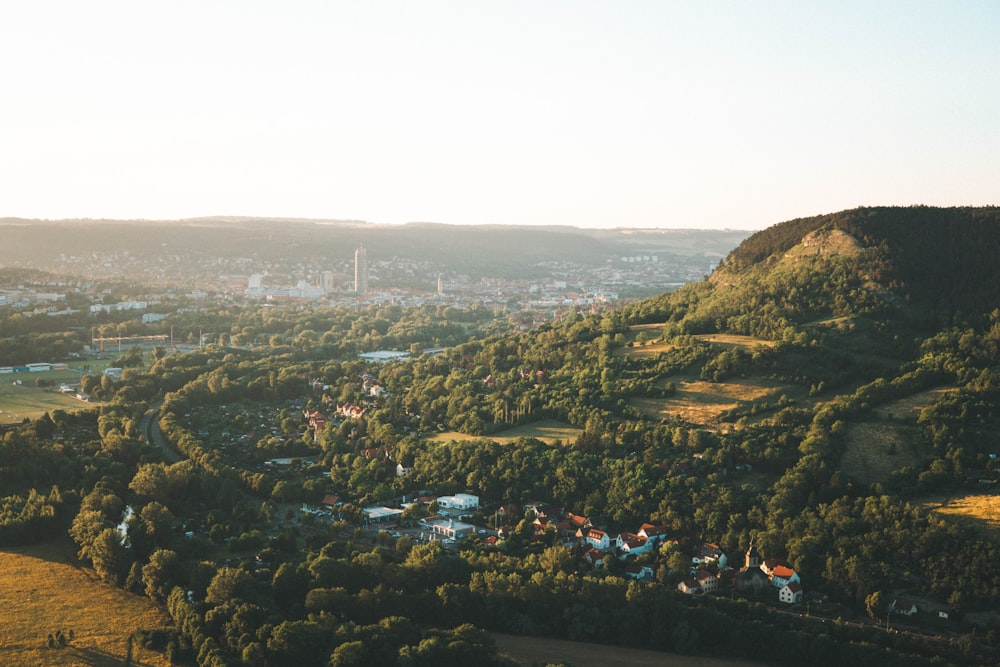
[[460, 501]]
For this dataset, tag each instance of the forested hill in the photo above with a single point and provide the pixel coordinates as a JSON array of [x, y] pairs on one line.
[[942, 257]]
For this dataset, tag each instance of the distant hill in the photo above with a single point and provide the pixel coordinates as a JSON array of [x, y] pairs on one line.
[[497, 250]]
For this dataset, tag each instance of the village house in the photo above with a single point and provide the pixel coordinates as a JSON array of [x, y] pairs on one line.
[[903, 607], [630, 544], [706, 553], [708, 581], [595, 557], [656, 535], [790, 593], [639, 572], [598, 539], [782, 575], [690, 587]]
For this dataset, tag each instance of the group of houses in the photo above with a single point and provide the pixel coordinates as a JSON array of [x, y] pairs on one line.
[[755, 576]]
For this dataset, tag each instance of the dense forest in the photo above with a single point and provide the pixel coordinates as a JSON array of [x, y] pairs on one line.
[[868, 333]]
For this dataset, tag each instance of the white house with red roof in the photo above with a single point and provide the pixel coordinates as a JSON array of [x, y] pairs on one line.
[[597, 539]]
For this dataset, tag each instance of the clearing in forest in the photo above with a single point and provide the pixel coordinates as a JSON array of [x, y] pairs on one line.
[[546, 430], [733, 340], [981, 510], [877, 449], [42, 591], [703, 403]]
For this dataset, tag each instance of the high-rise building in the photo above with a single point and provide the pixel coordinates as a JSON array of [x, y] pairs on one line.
[[326, 281], [360, 270]]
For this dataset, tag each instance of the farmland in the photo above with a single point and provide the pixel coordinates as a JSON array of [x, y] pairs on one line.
[[545, 430], [42, 590]]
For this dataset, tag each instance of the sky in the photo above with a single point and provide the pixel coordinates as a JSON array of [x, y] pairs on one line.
[[650, 114]]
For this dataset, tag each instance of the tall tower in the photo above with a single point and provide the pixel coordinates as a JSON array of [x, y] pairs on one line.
[[360, 270]]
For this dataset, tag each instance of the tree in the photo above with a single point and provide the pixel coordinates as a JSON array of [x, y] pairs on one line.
[[229, 583], [873, 604], [163, 571]]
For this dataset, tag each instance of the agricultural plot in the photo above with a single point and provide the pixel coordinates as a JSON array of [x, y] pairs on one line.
[[42, 591], [728, 341], [546, 430]]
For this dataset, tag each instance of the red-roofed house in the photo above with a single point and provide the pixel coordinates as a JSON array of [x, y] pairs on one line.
[[707, 580], [597, 539], [782, 575], [636, 571], [630, 544], [594, 557]]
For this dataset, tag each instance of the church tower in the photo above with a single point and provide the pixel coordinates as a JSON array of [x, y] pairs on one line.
[[753, 557]]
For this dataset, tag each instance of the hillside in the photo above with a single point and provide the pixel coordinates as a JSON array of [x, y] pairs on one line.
[[809, 403]]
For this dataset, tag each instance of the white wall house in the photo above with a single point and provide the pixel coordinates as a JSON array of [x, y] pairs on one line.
[[459, 501]]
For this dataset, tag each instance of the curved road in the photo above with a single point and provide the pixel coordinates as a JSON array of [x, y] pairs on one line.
[[150, 425]]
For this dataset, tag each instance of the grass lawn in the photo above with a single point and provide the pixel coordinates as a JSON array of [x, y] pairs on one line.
[[18, 401], [42, 590], [546, 430]]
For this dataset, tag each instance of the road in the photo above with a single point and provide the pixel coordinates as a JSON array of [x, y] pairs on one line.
[[150, 425]]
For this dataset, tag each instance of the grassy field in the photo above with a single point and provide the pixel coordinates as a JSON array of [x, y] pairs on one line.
[[546, 430], [877, 448], [538, 651], [42, 590], [703, 403], [981, 510], [731, 340], [18, 401]]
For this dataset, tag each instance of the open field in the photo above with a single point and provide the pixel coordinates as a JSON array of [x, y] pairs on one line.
[[18, 401], [731, 340], [539, 651], [876, 449], [981, 510], [703, 403], [42, 590], [546, 430]]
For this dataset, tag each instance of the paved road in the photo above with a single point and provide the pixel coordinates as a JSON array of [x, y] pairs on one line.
[[150, 426]]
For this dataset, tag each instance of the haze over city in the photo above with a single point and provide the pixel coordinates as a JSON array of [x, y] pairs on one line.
[[645, 114]]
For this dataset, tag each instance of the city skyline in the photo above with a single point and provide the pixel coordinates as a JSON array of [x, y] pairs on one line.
[[590, 114]]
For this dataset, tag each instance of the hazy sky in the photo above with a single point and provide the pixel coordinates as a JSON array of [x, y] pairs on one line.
[[595, 114]]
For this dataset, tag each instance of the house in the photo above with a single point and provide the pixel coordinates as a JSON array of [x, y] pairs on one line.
[[449, 528], [708, 581], [690, 587], [640, 572], [630, 544], [576, 521], [706, 552], [767, 566], [459, 501], [403, 471], [594, 557], [782, 575], [903, 607], [656, 535], [331, 501], [598, 539], [790, 593]]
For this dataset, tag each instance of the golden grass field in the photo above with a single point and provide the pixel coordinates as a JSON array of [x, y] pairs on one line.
[[702, 403], [981, 510], [731, 340], [42, 590], [546, 430]]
